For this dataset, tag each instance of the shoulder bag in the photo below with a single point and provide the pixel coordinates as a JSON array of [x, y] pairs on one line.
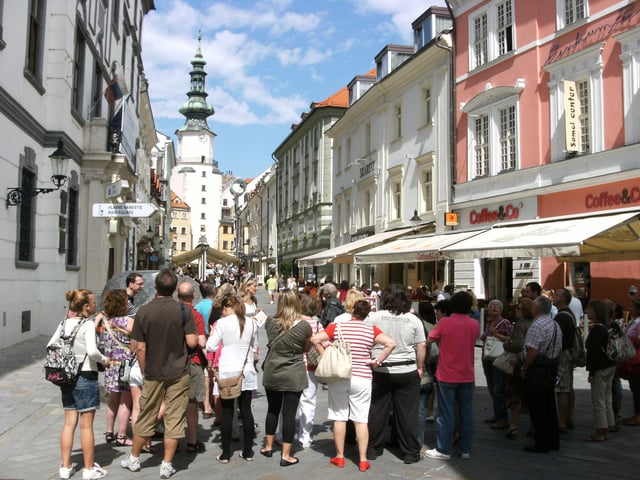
[[231, 388], [493, 347], [312, 355], [335, 363], [507, 362]]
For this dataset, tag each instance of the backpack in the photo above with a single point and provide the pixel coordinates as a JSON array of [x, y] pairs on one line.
[[61, 366], [578, 352], [332, 309]]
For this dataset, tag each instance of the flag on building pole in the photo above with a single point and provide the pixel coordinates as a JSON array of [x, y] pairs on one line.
[[116, 88], [113, 92]]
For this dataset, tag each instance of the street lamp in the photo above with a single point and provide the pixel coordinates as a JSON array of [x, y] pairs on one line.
[[415, 220], [59, 159]]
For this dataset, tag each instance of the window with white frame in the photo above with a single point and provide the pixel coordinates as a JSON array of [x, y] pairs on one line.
[[507, 138], [481, 146], [493, 132], [492, 33], [347, 213], [570, 11], [398, 120], [366, 208], [480, 40], [426, 190], [584, 69], [630, 57], [427, 113], [585, 129], [367, 138], [396, 200]]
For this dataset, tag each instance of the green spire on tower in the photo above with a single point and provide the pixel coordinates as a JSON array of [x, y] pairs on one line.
[[196, 109]]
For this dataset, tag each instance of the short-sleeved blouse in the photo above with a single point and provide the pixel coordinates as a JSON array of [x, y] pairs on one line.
[[114, 351]]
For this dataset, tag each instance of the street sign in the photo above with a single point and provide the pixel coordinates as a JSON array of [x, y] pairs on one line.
[[115, 189], [123, 209]]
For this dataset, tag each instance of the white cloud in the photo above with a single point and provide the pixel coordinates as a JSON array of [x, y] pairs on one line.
[[265, 57]]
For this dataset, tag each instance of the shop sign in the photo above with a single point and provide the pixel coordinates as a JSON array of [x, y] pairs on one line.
[[626, 17], [503, 212], [572, 118], [624, 198]]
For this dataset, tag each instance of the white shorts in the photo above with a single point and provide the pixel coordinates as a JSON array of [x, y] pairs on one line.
[[350, 400], [135, 377]]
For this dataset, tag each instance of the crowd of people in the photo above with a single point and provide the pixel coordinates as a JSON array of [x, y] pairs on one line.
[[412, 356]]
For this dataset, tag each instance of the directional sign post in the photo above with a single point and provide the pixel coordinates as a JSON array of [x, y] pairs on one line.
[[123, 209]]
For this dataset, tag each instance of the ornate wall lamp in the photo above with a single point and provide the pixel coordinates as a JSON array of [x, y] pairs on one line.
[[59, 159]]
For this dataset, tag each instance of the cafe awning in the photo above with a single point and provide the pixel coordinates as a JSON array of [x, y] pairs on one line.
[[598, 237], [344, 253], [413, 249], [213, 255]]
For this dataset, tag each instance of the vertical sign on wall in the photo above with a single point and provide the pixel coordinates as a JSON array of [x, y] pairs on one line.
[[572, 117]]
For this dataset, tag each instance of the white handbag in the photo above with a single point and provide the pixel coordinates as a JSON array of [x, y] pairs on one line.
[[335, 362], [493, 348]]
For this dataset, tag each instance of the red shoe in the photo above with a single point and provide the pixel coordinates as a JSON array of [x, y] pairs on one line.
[[337, 461], [364, 466]]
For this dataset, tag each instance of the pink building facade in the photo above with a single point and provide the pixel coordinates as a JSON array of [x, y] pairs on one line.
[[547, 122]]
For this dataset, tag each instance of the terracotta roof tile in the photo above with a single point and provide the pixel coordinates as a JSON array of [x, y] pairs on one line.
[[177, 202]]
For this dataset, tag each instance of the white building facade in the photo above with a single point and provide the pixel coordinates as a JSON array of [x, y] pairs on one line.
[[57, 59], [392, 162]]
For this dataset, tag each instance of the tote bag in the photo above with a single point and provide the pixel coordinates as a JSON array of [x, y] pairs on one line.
[[335, 362], [493, 348]]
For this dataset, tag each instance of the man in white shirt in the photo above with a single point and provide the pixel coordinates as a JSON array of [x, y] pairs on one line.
[[575, 305]]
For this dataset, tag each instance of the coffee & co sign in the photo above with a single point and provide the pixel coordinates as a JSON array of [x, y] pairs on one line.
[[502, 212]]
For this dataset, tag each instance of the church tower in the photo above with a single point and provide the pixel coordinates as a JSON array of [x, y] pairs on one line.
[[196, 178]]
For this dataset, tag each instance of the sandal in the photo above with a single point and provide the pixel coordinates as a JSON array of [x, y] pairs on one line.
[[123, 441], [148, 449], [593, 438], [109, 437], [197, 447]]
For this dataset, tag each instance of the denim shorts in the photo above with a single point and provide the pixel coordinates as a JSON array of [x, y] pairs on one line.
[[84, 396]]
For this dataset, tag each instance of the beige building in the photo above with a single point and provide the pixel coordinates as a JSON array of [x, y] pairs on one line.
[[180, 225]]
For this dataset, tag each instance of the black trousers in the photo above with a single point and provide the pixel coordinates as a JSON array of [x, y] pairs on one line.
[[248, 427], [402, 392], [544, 417], [287, 403]]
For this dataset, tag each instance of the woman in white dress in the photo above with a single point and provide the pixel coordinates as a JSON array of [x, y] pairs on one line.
[[238, 334]]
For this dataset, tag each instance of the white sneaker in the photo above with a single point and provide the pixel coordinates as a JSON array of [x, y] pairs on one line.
[[96, 472], [65, 472], [131, 463], [166, 470], [434, 453]]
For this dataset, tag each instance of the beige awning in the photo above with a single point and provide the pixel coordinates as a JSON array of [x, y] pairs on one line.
[[604, 236], [413, 249], [344, 253], [213, 255]]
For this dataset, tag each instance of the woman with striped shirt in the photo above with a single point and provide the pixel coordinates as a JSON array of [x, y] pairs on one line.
[[350, 399]]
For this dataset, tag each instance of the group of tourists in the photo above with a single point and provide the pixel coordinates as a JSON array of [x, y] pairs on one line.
[[409, 365]]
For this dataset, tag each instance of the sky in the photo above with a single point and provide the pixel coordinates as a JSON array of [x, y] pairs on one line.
[[267, 61]]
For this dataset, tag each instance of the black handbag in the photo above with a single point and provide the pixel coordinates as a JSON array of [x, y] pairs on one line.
[[542, 373]]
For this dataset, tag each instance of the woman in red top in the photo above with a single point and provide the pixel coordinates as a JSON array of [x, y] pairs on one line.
[[350, 399]]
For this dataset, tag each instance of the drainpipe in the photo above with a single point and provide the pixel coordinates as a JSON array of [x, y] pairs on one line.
[[452, 102]]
